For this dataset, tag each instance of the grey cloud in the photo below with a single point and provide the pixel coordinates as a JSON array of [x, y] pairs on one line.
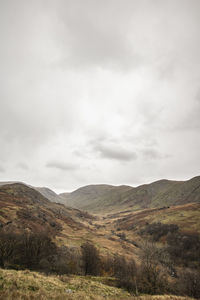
[[63, 166], [2, 170], [125, 34], [23, 166], [153, 154], [191, 119], [115, 152], [95, 34]]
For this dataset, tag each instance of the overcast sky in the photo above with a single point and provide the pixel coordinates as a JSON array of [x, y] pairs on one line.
[[99, 91]]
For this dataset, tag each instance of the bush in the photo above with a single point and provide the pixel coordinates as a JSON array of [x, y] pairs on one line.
[[189, 283], [184, 249], [157, 230]]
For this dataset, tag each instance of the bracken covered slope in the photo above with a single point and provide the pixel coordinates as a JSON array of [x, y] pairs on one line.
[[24, 209]]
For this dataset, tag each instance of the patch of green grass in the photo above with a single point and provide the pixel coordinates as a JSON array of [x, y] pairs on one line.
[[188, 219]]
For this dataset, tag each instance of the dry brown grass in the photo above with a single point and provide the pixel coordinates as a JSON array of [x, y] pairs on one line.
[[26, 285], [163, 297], [187, 217]]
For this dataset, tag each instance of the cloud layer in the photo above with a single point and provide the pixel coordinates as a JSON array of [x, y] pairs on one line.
[[99, 91]]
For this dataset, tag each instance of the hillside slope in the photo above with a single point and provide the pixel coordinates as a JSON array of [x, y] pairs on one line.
[[92, 196], [46, 192], [49, 194], [34, 286], [186, 217], [105, 199], [180, 193], [25, 209]]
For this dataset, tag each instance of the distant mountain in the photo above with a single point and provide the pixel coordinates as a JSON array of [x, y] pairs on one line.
[[49, 194], [94, 197], [46, 192], [106, 198]]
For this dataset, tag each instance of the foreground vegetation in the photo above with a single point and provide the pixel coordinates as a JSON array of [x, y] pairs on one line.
[[28, 285]]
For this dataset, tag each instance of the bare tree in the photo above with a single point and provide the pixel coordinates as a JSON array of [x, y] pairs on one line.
[[153, 270], [35, 247], [91, 259], [8, 247], [126, 272]]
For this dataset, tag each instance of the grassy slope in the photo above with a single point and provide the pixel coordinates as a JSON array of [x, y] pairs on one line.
[[186, 216], [109, 201], [90, 196], [23, 208], [46, 192], [29, 285], [181, 193], [101, 199]]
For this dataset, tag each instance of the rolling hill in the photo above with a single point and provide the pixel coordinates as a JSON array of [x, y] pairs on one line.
[[93, 197], [45, 191], [101, 199], [25, 209]]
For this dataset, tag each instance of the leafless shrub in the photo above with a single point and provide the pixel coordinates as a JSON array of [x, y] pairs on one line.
[[189, 283], [126, 272], [91, 259]]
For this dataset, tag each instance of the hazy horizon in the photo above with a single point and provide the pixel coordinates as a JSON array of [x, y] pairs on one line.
[[99, 91]]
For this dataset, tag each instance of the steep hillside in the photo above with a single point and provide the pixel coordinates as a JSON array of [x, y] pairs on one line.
[[105, 199], [49, 194], [46, 192], [24, 209], [180, 193]]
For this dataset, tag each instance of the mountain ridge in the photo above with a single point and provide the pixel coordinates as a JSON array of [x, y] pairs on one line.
[[164, 192], [104, 198]]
